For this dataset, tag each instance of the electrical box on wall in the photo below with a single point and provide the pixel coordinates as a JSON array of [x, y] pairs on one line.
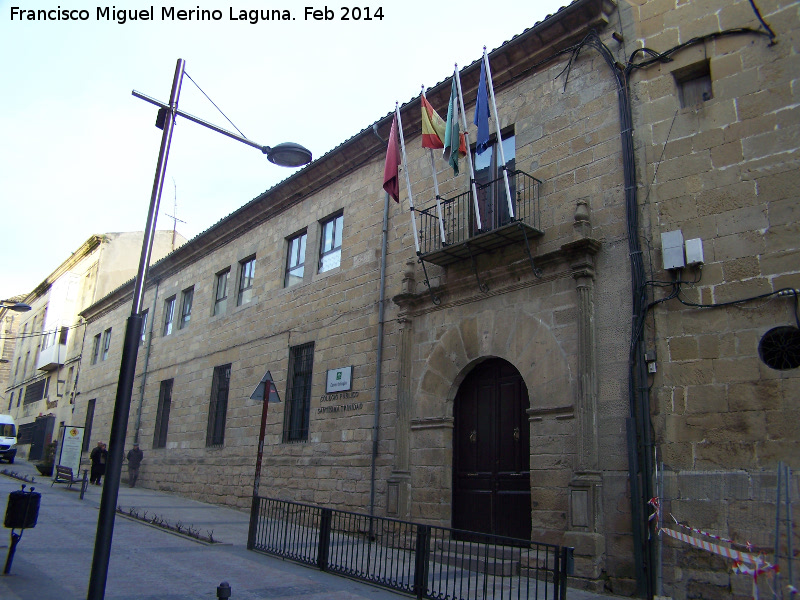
[[694, 252], [672, 249]]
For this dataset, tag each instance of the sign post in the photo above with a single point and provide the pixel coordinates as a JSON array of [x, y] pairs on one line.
[[266, 392]]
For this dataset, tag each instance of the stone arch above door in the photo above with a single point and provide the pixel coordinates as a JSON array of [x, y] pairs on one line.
[[512, 334]]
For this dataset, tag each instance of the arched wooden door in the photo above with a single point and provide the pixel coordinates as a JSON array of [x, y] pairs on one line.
[[491, 452]]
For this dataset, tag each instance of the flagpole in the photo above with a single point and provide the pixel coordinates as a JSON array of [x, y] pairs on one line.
[[499, 137], [469, 152], [408, 181], [436, 187]]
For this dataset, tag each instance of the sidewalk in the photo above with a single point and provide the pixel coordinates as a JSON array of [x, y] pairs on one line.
[[53, 560]]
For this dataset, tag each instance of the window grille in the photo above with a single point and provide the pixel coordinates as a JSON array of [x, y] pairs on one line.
[[298, 393], [162, 416], [218, 406]]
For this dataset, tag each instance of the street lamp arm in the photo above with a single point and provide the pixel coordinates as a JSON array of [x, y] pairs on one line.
[[200, 121]]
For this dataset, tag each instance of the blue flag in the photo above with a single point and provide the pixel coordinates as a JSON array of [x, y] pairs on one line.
[[482, 112]]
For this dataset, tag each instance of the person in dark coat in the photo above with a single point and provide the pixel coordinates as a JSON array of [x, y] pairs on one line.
[[99, 456], [135, 456]]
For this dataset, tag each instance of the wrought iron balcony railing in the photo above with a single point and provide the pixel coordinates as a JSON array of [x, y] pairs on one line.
[[498, 228]]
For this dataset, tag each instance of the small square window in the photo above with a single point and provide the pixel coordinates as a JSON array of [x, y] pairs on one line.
[[295, 261], [694, 84], [330, 251], [247, 270]]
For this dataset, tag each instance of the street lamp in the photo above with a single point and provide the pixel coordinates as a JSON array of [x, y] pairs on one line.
[[15, 306], [287, 154]]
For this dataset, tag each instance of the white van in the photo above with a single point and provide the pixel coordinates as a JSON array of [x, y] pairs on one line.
[[8, 438]]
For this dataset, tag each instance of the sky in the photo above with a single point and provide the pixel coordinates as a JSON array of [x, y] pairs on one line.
[[78, 151]]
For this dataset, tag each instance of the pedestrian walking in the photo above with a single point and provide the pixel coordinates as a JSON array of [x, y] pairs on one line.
[[135, 456], [99, 456]]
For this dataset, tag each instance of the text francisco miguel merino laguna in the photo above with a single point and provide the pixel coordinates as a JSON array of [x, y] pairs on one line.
[[170, 13]]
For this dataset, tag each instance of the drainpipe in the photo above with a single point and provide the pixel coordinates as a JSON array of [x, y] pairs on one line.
[[379, 356], [144, 367]]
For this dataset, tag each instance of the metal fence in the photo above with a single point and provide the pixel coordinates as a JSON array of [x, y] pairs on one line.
[[421, 560], [458, 213]]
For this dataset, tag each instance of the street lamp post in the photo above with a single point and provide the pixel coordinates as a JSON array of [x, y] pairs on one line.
[[288, 154]]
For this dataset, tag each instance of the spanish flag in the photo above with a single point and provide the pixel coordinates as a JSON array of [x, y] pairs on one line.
[[433, 126]]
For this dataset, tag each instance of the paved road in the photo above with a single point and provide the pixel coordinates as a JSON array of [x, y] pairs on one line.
[[53, 560]]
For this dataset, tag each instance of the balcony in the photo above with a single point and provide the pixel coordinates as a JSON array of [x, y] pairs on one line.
[[52, 357], [459, 238]]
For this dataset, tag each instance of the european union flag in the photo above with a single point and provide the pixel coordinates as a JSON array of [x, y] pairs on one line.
[[482, 112]]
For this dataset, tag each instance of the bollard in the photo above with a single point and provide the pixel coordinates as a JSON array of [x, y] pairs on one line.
[[224, 590], [84, 483], [21, 513]]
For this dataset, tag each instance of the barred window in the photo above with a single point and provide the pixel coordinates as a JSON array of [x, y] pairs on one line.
[[218, 406], [162, 416], [298, 393]]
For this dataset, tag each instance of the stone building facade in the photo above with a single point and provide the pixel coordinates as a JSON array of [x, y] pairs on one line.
[[528, 371]]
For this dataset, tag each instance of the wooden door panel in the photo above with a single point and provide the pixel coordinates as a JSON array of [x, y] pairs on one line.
[[491, 456]]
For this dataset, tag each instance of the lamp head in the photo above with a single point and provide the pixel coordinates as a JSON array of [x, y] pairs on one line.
[[287, 154], [15, 306]]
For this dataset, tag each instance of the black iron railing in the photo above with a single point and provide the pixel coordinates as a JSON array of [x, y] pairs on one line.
[[421, 560], [458, 213]]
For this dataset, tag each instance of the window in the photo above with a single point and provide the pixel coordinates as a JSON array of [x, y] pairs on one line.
[[162, 416], [694, 84], [298, 393], [87, 431], [35, 391], [330, 252], [143, 337], [492, 201], [95, 348], [221, 292], [63, 336], [247, 269], [186, 306], [295, 261], [11, 402], [218, 406], [16, 369], [169, 314], [106, 343]]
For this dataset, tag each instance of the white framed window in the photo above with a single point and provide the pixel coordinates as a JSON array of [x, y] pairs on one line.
[[247, 269], [187, 296], [330, 250], [106, 343], [295, 260], [169, 315], [221, 292], [96, 348]]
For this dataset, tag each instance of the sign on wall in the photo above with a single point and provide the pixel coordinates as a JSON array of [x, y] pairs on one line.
[[339, 380], [69, 448]]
